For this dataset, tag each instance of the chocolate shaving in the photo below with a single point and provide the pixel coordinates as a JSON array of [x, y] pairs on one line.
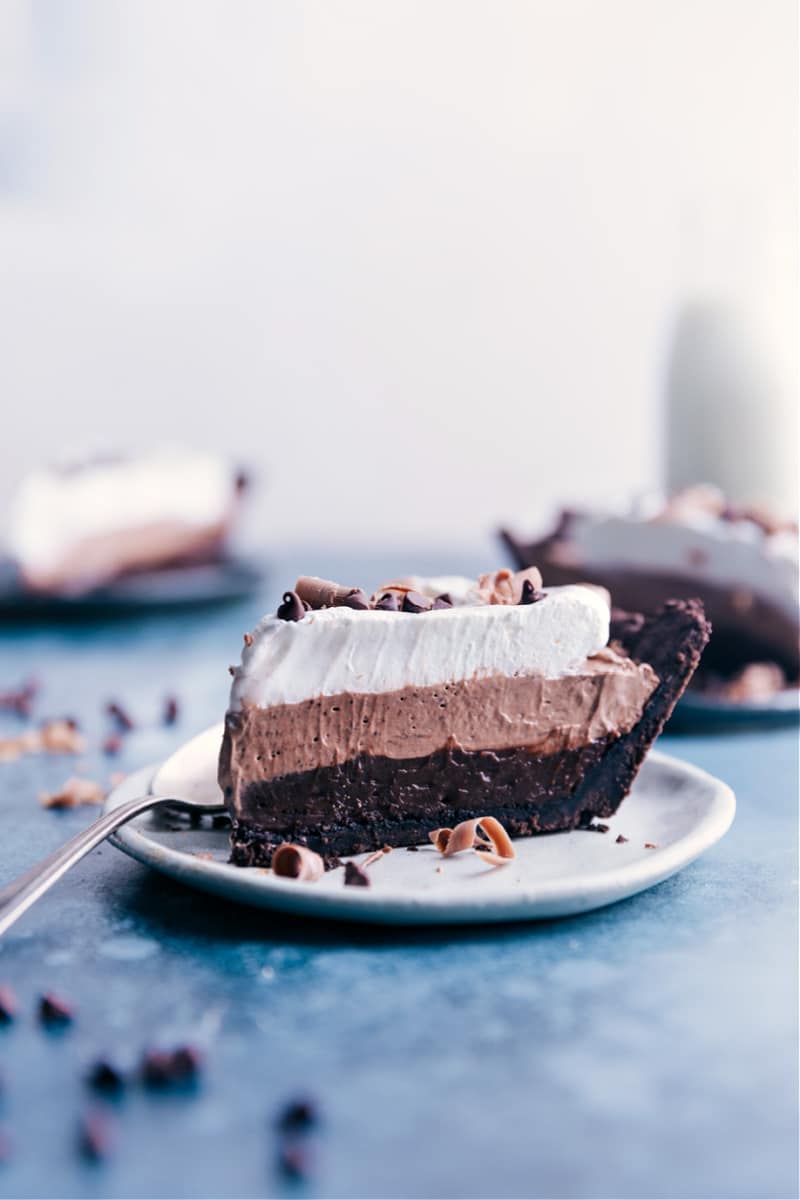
[[484, 835], [375, 856], [53, 1010], [297, 862], [354, 876], [651, 846], [413, 602], [292, 607], [621, 840], [293, 1161], [8, 1005], [74, 793], [95, 1136], [323, 593], [54, 737]]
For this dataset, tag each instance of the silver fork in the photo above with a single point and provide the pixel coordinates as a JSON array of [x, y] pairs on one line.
[[17, 897]]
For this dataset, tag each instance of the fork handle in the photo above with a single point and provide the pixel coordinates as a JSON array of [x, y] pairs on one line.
[[17, 897]]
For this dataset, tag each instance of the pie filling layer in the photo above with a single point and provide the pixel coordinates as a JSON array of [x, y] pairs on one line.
[[530, 714]]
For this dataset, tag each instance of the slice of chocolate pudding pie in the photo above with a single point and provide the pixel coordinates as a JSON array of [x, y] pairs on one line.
[[356, 723]]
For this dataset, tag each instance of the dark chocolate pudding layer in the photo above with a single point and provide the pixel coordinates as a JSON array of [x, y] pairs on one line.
[[365, 800]]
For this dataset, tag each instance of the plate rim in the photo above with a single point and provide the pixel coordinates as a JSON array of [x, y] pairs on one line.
[[258, 887]]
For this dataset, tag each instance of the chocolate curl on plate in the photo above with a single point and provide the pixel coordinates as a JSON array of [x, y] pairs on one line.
[[323, 593], [485, 835], [297, 862]]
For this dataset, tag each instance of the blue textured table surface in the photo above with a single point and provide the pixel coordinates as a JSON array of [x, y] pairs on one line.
[[645, 1050]]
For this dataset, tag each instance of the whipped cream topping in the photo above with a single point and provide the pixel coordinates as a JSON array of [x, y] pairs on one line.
[[56, 509], [688, 536], [337, 650]]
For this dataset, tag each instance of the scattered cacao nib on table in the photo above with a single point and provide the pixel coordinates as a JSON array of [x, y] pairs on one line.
[[96, 1136], [8, 1005], [105, 1077], [54, 1010], [298, 1114], [120, 716], [168, 1068], [294, 1161]]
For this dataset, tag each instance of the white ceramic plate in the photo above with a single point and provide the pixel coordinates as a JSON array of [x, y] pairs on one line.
[[680, 809]]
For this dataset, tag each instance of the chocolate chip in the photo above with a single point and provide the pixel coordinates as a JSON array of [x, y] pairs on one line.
[[621, 840], [300, 1114], [355, 599], [104, 1076], [354, 876], [95, 1137], [119, 715], [8, 1005], [530, 594], [171, 710], [443, 601], [292, 608], [53, 1010], [414, 603], [112, 744], [387, 603]]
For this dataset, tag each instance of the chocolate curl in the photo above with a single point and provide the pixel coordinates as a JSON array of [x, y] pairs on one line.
[[505, 587], [297, 862], [323, 593], [485, 835]]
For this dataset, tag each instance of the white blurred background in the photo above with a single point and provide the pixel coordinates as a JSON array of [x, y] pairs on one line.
[[423, 260]]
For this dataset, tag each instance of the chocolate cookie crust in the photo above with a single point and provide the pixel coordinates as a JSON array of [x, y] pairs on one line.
[[368, 802]]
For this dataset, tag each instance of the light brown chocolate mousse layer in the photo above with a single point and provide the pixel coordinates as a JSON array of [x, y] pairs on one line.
[[543, 716]]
